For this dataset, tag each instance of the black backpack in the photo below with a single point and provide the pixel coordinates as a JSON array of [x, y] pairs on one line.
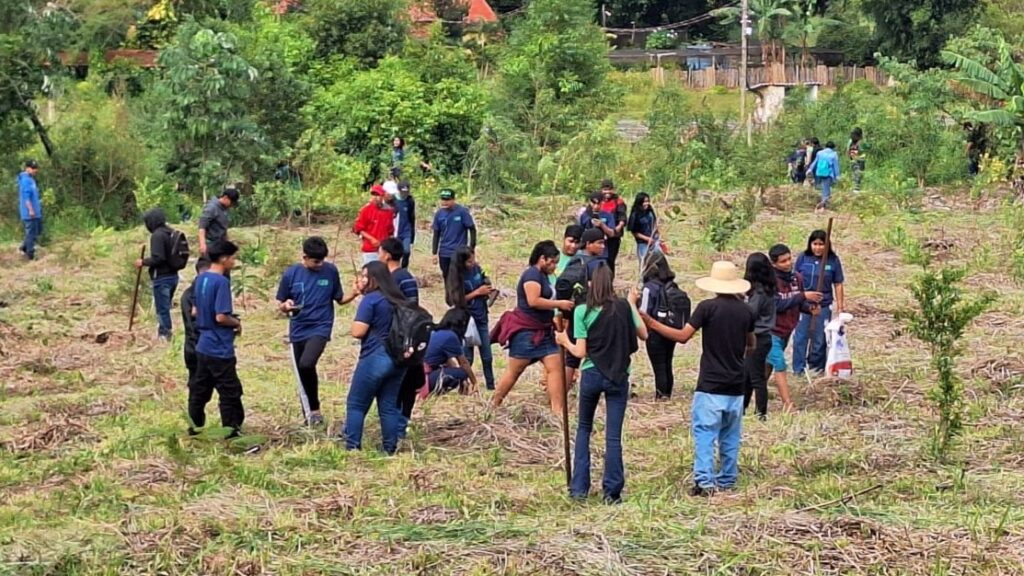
[[179, 254], [411, 327], [673, 307], [573, 283]]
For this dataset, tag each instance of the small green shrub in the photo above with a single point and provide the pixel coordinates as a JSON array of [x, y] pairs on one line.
[[662, 40]]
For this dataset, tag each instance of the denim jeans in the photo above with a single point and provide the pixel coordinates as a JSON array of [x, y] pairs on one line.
[[815, 356], [407, 246], [592, 385], [826, 183], [716, 417], [486, 357], [376, 378], [33, 230], [163, 295]]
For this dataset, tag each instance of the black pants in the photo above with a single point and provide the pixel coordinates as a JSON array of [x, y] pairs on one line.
[[191, 363], [756, 378], [613, 245], [305, 356], [661, 350], [216, 374], [411, 383], [444, 263]]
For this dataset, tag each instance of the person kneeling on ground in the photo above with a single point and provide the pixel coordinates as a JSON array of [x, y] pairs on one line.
[[728, 325], [445, 360], [606, 331]]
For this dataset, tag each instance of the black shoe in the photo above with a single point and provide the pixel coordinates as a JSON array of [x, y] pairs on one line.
[[762, 417], [235, 433], [612, 500], [192, 431], [698, 491], [578, 497]]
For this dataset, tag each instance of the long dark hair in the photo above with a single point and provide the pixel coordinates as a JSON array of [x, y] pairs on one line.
[[601, 293], [636, 209], [456, 320], [543, 249], [657, 268], [819, 235], [856, 135], [760, 273], [379, 278], [455, 283]]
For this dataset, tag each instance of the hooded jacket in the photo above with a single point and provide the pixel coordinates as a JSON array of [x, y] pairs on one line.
[[789, 302], [160, 244]]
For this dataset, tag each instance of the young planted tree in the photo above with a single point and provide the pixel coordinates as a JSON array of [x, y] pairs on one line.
[[942, 316]]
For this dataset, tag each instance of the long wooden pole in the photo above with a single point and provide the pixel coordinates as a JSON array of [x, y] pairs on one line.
[[135, 296], [744, 17], [565, 432]]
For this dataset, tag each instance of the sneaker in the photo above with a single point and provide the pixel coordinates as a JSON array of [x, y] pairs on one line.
[[315, 420], [612, 500], [192, 431], [698, 491], [762, 417], [578, 497], [235, 433]]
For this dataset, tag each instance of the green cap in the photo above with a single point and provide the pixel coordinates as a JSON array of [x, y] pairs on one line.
[[447, 194]]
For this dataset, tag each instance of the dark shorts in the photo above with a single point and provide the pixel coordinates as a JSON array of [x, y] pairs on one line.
[[572, 361], [521, 346]]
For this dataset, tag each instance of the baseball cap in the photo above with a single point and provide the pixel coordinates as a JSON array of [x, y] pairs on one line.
[[377, 190], [231, 192], [607, 183], [32, 164], [447, 194], [592, 235], [573, 231], [403, 186]]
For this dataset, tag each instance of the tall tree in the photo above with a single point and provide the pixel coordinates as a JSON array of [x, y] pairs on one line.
[[769, 19], [918, 29], [367, 30], [804, 29]]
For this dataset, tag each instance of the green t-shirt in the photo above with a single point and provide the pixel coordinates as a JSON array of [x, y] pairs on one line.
[[584, 318]]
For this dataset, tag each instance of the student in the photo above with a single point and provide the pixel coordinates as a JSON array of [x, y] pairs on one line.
[[447, 366], [573, 284], [377, 376], [856, 151], [397, 151], [657, 277], [374, 224], [809, 265], [797, 163], [790, 300], [570, 246], [528, 331], [307, 293], [606, 329], [826, 172], [391, 186], [453, 227], [613, 204], [31, 209], [643, 224], [216, 365], [811, 153], [593, 217], [728, 325], [405, 216], [571, 239], [163, 268], [468, 287], [391, 252], [761, 299], [213, 221], [188, 320]]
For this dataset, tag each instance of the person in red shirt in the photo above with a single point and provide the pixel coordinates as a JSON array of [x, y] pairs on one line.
[[374, 224], [613, 204]]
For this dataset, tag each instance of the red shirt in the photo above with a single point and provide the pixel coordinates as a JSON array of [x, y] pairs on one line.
[[377, 221], [615, 206]]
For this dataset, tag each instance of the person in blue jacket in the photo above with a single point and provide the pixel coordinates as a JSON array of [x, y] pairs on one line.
[[826, 172], [405, 220], [31, 208], [812, 354]]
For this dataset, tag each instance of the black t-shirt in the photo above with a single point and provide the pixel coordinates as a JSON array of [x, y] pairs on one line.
[[725, 321]]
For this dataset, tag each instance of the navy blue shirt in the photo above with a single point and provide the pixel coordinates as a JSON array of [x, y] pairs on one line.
[[405, 214], [474, 279], [532, 274], [644, 224], [810, 268], [588, 215], [444, 345], [213, 297], [407, 284], [316, 291], [453, 226], [375, 311]]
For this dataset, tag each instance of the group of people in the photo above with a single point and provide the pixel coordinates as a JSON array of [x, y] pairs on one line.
[[567, 317], [814, 165]]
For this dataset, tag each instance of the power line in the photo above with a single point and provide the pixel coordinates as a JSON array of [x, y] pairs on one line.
[[683, 24]]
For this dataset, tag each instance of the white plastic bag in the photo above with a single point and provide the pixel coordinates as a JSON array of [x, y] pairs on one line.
[[472, 337], [839, 363]]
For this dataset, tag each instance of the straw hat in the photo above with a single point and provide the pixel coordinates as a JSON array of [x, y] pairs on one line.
[[724, 279]]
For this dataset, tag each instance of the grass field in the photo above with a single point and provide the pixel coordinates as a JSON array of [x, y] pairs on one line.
[[97, 476]]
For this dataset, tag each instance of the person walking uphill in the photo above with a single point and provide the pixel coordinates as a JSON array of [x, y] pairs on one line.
[[31, 209], [375, 223], [809, 264], [307, 293], [168, 254], [453, 227], [856, 151], [826, 172], [216, 365], [761, 299], [214, 221], [613, 204], [606, 329], [717, 416]]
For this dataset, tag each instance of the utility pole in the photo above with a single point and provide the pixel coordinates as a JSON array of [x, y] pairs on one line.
[[744, 24]]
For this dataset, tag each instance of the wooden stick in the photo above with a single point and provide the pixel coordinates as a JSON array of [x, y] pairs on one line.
[[337, 238], [135, 296], [565, 431], [841, 500]]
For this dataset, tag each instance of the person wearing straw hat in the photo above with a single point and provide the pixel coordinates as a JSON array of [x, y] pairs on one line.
[[728, 325]]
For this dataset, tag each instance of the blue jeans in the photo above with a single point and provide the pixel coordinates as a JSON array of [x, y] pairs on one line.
[[407, 245], [815, 356], [33, 230], [376, 378], [486, 357], [163, 295], [592, 385], [826, 183], [716, 417]]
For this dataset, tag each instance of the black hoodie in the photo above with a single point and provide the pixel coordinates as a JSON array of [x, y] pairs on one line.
[[161, 244]]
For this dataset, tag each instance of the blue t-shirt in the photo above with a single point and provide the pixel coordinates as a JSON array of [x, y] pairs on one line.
[[444, 345], [532, 274], [474, 279], [28, 191], [810, 267], [405, 212], [453, 226], [375, 311], [407, 284], [645, 222], [316, 291], [213, 297]]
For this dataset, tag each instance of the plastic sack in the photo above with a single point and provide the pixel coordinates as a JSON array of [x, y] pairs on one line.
[[472, 336], [839, 363]]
